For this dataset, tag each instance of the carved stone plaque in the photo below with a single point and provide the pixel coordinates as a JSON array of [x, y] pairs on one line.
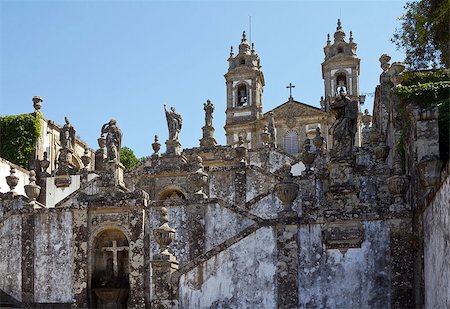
[[343, 236]]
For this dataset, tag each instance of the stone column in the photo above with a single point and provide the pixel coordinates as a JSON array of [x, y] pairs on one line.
[[137, 259], [28, 222], [80, 258], [287, 266]]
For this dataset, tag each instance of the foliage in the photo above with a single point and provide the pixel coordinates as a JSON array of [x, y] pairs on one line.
[[424, 76], [424, 34], [424, 94], [427, 89], [127, 158], [18, 136]]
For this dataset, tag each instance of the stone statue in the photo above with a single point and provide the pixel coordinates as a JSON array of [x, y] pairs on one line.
[[113, 140], [209, 109], [67, 136], [345, 126], [174, 122]]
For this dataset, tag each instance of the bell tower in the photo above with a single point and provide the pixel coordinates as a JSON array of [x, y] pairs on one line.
[[340, 69], [244, 82]]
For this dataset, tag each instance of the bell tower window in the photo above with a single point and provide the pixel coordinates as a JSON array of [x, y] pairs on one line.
[[341, 81], [242, 95]]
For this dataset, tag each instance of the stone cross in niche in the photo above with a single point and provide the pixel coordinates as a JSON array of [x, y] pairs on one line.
[[114, 249]]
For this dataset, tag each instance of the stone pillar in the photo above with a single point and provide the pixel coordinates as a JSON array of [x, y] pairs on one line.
[[28, 222], [287, 266], [137, 259], [80, 258], [402, 263], [164, 292], [196, 229]]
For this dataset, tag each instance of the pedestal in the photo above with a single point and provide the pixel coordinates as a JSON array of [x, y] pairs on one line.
[[162, 289], [208, 139], [113, 175], [173, 147]]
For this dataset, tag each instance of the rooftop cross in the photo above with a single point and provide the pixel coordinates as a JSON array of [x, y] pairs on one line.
[[114, 249], [290, 90]]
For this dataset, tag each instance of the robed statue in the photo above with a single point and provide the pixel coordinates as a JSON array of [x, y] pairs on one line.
[[67, 136], [113, 140], [174, 122], [345, 126], [209, 109]]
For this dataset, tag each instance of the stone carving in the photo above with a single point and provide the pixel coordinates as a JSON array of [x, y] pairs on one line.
[[113, 138], [198, 178], [208, 139], [345, 126], [287, 190], [307, 156], [395, 73], [44, 164], [156, 146], [381, 151], [174, 122], [366, 118], [384, 62], [32, 189], [241, 150], [86, 159], [164, 234], [209, 109], [37, 103], [12, 180], [398, 183], [265, 137], [67, 136], [343, 237], [319, 141]]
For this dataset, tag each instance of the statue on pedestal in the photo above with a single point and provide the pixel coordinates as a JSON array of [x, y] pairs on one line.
[[209, 109], [67, 136], [174, 122], [345, 126], [113, 140]]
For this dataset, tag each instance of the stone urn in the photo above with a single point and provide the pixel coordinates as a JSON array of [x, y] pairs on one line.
[[164, 234], [397, 186], [287, 190], [156, 146], [241, 151], [32, 190], [306, 156], [37, 103], [44, 163], [12, 180], [381, 151], [86, 159]]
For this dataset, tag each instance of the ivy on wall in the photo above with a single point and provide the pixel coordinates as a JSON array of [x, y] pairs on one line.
[[18, 136], [427, 89]]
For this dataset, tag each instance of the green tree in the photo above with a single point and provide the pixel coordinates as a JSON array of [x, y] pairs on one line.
[[127, 158], [424, 34]]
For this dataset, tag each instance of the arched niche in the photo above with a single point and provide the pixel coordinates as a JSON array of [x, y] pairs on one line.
[[242, 95], [110, 268], [341, 82], [172, 192]]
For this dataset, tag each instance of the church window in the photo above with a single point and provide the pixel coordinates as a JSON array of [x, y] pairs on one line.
[[242, 95], [291, 142]]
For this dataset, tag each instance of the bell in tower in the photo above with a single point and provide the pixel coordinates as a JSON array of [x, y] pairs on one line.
[[244, 82]]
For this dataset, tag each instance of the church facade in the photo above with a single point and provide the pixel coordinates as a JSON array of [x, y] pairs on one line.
[[304, 207]]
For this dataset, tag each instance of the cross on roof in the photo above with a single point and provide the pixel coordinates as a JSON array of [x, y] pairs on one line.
[[290, 90], [114, 249]]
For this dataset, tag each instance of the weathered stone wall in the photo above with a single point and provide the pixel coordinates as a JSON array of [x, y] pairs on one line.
[[10, 253], [360, 278], [53, 257], [242, 276], [436, 222]]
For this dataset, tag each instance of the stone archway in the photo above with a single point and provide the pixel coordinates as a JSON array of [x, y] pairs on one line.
[[110, 270]]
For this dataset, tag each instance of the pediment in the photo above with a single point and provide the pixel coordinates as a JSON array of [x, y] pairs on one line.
[[295, 109]]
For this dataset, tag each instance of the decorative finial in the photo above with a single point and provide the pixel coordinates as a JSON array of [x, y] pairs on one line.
[[328, 39], [37, 103], [231, 51], [32, 190], [156, 146], [12, 180], [244, 36], [253, 48], [339, 24], [351, 36]]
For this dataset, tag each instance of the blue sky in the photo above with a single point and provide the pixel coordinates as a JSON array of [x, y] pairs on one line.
[[94, 60]]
